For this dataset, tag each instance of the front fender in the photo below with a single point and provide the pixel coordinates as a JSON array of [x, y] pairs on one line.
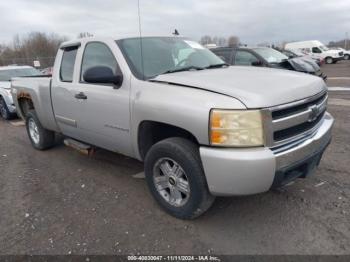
[[184, 107]]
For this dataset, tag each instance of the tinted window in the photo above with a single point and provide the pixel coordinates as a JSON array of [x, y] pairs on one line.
[[245, 58], [271, 55], [316, 50], [224, 55], [306, 50], [289, 54], [67, 64], [97, 54]]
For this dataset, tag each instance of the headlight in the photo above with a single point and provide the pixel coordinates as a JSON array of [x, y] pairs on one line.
[[240, 128], [8, 91]]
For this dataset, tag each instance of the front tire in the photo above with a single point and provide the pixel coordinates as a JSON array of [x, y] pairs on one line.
[[329, 60], [40, 137], [176, 179]]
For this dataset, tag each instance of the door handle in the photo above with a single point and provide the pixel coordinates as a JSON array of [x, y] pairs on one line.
[[80, 95]]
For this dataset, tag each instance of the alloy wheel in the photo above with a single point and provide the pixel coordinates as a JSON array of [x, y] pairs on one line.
[[33, 131], [171, 182]]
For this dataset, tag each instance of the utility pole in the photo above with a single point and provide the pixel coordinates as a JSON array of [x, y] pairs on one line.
[[346, 41]]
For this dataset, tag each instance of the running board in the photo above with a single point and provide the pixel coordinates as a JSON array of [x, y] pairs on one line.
[[79, 146]]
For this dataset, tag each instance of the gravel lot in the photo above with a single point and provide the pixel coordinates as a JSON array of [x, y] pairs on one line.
[[62, 202]]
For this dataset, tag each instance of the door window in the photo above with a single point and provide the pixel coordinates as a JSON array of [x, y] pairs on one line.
[[316, 50], [224, 55], [245, 58], [97, 54], [67, 64]]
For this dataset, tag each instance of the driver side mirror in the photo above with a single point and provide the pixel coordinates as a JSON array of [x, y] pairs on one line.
[[102, 75], [257, 63]]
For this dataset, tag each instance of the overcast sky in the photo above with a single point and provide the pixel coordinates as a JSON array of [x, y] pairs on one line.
[[254, 21]]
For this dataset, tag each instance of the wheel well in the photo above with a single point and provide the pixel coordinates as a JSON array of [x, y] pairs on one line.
[[151, 132], [25, 104]]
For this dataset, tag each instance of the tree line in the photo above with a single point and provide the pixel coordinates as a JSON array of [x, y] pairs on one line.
[[231, 41], [234, 41], [24, 50], [35, 46]]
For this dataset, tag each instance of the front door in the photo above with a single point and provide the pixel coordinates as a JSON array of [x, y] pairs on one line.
[[103, 109]]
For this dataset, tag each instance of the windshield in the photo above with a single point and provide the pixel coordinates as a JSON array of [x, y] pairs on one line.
[[323, 48], [6, 75], [271, 55], [162, 55]]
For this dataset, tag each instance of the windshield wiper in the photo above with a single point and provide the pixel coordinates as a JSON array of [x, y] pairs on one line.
[[187, 68], [217, 65]]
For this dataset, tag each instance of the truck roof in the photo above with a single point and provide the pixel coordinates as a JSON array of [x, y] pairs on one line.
[[13, 67], [305, 43]]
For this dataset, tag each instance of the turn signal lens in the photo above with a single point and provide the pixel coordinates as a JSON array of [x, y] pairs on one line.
[[240, 128]]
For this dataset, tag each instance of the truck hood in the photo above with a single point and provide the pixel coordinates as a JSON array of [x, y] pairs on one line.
[[254, 87], [5, 84]]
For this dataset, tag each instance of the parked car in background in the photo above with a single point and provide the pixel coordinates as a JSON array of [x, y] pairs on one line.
[[202, 128], [316, 49], [7, 107], [267, 57], [346, 52], [305, 56]]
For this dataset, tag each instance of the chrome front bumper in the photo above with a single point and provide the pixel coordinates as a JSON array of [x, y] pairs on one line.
[[232, 171]]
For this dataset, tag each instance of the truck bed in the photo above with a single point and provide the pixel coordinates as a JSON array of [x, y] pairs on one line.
[[39, 90]]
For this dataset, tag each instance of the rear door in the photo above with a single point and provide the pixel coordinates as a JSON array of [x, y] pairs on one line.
[[63, 91], [104, 114]]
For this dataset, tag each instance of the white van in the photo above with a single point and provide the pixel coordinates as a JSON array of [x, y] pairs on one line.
[[316, 49]]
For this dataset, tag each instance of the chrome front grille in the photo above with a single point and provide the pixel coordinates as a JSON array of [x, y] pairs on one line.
[[294, 121]]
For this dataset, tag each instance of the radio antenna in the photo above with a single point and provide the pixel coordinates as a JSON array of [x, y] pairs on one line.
[[140, 32]]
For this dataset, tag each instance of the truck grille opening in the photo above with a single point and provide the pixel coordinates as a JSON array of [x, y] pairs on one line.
[[296, 109], [298, 129], [296, 120]]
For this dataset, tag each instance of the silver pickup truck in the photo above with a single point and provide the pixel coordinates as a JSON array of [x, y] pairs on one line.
[[201, 127]]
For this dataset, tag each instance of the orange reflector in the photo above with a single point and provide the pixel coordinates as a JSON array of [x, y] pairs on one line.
[[215, 137]]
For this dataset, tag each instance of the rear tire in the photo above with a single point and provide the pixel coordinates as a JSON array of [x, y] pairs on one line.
[[329, 60], [40, 137], [4, 111], [176, 179]]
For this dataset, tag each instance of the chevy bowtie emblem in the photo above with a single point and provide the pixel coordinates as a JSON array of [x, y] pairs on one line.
[[314, 113]]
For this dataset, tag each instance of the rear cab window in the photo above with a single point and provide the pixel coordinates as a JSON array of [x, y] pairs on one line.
[[67, 64]]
